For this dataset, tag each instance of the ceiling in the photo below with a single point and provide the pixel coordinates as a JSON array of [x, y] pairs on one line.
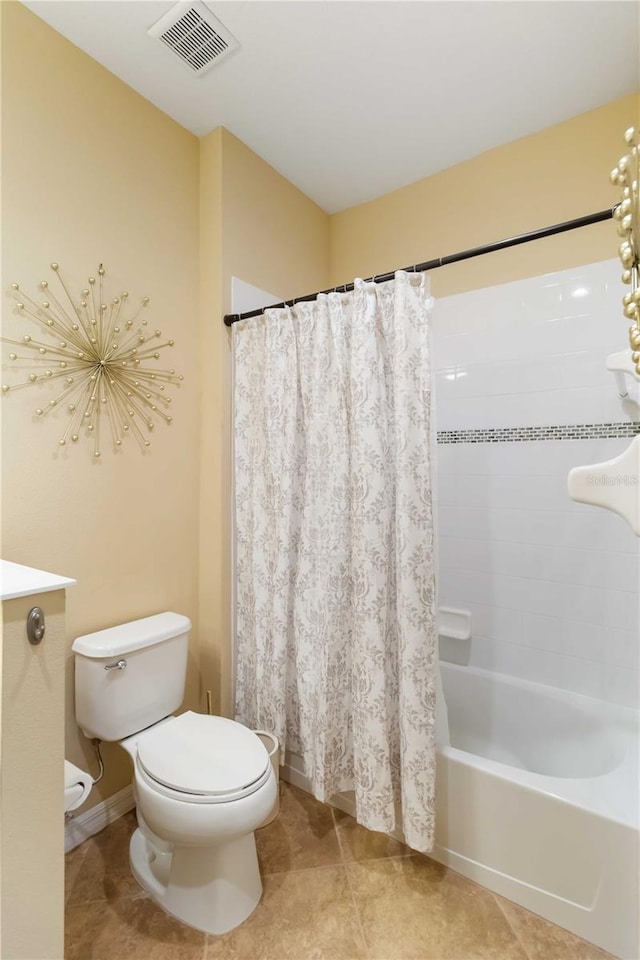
[[350, 100]]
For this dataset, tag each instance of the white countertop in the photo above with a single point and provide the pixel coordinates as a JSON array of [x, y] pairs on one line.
[[19, 581]]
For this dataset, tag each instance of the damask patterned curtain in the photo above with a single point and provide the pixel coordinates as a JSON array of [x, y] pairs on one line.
[[336, 633]]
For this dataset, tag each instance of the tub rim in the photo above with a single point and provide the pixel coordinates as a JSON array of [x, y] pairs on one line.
[[614, 795]]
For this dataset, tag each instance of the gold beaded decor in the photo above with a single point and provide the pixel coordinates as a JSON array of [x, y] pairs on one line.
[[98, 355], [627, 214]]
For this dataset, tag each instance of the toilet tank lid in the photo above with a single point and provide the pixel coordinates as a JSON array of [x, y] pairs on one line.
[[127, 637]]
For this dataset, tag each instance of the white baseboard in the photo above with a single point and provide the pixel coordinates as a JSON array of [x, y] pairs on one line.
[[298, 779], [294, 777], [84, 825], [79, 828]]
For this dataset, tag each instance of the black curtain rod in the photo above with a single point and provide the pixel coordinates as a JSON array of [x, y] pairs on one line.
[[232, 318]]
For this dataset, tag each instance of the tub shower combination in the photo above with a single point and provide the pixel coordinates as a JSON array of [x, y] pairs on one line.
[[537, 781]]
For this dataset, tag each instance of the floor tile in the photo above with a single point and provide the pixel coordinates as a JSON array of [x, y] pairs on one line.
[[545, 941], [314, 905], [358, 843], [415, 909], [72, 863], [104, 873], [306, 915], [302, 836], [128, 930]]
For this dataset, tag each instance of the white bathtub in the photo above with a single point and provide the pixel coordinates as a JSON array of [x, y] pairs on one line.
[[538, 799]]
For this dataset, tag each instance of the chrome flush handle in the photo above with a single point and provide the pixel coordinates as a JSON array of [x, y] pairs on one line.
[[120, 665]]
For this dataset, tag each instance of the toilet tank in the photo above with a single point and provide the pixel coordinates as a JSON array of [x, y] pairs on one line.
[[130, 676]]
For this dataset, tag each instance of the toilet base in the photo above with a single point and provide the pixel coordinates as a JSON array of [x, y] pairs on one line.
[[213, 889]]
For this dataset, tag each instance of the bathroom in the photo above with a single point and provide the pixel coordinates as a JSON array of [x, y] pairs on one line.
[[94, 172]]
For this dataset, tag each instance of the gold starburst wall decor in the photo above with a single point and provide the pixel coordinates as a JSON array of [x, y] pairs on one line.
[[98, 355], [627, 214]]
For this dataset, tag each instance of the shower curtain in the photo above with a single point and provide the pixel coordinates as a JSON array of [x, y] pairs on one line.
[[335, 616]]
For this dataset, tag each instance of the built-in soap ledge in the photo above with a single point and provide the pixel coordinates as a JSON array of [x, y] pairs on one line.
[[453, 623], [17, 580]]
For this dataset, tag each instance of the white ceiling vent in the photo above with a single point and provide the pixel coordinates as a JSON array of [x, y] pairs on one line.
[[196, 37]]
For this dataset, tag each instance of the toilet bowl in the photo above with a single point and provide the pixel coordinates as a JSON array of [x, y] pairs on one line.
[[202, 784]]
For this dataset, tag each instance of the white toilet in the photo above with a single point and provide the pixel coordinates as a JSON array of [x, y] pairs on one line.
[[202, 784]]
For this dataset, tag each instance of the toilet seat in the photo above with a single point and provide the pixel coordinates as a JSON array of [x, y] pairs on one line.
[[197, 758]]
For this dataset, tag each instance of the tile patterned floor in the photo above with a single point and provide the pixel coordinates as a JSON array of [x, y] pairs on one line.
[[332, 891]]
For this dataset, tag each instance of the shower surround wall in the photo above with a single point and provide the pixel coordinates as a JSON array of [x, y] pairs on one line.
[[552, 585]]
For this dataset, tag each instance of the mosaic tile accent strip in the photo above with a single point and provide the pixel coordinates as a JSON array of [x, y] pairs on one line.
[[577, 431]]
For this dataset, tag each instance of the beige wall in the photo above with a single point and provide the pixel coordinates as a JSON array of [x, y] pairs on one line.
[[215, 464], [256, 226], [31, 838], [275, 237], [551, 176], [93, 172]]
